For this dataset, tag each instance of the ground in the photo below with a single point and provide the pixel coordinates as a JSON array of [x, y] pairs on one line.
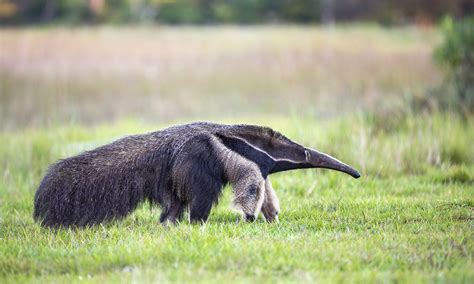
[[409, 218]]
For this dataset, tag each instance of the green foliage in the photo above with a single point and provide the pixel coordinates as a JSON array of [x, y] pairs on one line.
[[246, 11], [72, 11], [456, 53], [302, 10], [455, 174], [183, 12], [210, 11]]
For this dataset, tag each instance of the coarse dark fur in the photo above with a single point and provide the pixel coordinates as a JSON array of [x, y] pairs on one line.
[[181, 167]]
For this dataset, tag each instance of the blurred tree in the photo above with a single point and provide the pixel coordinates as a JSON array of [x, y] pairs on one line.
[[230, 11], [72, 11], [302, 10], [243, 11], [456, 53], [97, 7], [180, 12], [49, 10], [327, 12], [8, 9]]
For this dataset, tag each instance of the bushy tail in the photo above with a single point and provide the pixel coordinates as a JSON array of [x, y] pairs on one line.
[[67, 198]]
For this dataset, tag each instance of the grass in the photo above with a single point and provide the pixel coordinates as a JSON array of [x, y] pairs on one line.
[[409, 218], [342, 90]]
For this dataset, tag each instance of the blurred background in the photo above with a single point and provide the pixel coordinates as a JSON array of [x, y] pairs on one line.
[[384, 85], [99, 61]]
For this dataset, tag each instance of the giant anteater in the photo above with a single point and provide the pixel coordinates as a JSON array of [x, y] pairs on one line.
[[181, 167]]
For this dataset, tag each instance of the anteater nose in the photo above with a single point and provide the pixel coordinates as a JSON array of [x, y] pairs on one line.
[[356, 174]]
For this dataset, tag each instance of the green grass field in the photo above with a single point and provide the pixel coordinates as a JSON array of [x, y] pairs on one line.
[[409, 218]]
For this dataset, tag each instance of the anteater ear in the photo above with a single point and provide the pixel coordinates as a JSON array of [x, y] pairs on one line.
[[247, 149]]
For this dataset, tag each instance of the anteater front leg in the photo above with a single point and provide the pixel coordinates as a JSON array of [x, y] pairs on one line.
[[271, 204], [249, 189], [205, 190], [173, 212]]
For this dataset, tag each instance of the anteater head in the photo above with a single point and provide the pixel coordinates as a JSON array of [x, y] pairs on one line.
[[275, 153]]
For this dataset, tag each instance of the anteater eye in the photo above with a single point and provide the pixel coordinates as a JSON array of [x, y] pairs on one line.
[[307, 154]]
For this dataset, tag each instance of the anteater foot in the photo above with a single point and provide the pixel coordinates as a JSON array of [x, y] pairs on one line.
[[250, 218]]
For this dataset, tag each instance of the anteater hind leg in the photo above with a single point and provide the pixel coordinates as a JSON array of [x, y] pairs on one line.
[[271, 204], [173, 213]]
